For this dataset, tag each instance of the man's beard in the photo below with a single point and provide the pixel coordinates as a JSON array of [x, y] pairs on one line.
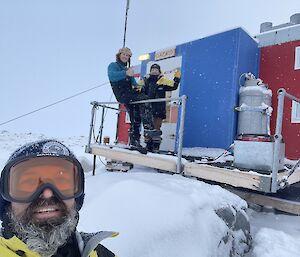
[[44, 237]]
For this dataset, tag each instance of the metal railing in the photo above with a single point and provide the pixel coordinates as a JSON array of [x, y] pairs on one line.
[[278, 137], [182, 101]]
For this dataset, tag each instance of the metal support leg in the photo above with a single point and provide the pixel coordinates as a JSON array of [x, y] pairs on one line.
[[278, 139], [94, 165], [181, 132], [88, 148]]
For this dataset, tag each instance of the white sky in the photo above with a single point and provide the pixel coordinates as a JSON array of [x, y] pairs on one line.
[[53, 49]]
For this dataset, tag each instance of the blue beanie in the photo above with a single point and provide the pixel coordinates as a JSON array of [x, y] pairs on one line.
[[46, 147]]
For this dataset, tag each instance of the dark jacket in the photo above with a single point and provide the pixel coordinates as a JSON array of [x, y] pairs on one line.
[[154, 91], [122, 85]]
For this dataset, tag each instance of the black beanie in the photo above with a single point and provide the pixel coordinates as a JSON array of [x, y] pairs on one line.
[[46, 147], [155, 66]]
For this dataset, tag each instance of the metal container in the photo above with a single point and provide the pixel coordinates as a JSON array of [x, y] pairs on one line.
[[254, 107], [257, 155]]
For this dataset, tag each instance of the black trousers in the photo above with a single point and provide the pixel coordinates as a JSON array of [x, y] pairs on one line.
[[139, 113]]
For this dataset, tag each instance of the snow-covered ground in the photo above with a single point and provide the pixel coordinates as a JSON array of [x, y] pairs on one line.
[[161, 215]]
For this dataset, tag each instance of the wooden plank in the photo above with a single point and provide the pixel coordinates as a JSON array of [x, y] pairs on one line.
[[151, 160], [268, 201], [236, 178]]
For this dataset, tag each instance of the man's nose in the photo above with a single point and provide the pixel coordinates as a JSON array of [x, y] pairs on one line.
[[47, 193]]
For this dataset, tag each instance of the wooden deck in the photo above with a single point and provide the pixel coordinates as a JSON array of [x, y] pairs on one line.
[[234, 177], [156, 161], [268, 201]]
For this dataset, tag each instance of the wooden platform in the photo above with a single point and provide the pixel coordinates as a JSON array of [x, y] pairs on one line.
[[274, 202], [234, 177], [237, 178], [156, 161]]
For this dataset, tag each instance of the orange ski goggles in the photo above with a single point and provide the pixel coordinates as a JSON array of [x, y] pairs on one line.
[[26, 180]]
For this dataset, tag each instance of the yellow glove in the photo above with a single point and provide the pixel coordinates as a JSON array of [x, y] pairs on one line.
[[177, 74], [141, 82], [166, 82], [139, 87]]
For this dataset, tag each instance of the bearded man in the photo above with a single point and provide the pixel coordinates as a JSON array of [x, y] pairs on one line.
[[42, 191]]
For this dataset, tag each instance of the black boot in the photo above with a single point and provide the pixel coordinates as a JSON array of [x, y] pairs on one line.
[[152, 139], [155, 147], [134, 138], [149, 146], [134, 143], [150, 134]]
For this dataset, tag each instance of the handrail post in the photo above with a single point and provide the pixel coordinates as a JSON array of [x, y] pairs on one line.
[[278, 139], [91, 128], [101, 125], [100, 137], [181, 132]]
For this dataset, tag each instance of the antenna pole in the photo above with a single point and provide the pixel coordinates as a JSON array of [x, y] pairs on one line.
[[125, 28]]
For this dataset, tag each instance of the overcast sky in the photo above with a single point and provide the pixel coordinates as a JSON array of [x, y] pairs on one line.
[[53, 49]]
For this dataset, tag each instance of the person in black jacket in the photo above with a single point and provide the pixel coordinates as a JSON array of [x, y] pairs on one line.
[[126, 90], [42, 191], [155, 86]]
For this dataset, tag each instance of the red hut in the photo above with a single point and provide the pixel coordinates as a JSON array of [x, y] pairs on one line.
[[280, 68]]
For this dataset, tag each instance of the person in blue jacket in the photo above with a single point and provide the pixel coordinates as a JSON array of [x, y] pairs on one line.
[[126, 90]]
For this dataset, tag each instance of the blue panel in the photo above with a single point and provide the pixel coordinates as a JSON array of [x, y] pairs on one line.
[[211, 70]]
